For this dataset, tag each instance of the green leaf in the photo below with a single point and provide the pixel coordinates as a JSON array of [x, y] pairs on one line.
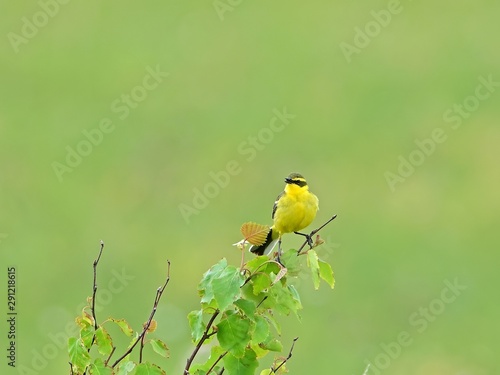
[[215, 353], [103, 340], [283, 299], [124, 326], [261, 330], [148, 369], [291, 261], [244, 365], [313, 264], [259, 352], [160, 347], [267, 371], [197, 325], [205, 286], [233, 334], [87, 335], [99, 368], [78, 355], [260, 282], [295, 294], [272, 344], [326, 273], [247, 307], [271, 319], [256, 263], [125, 367], [226, 287]]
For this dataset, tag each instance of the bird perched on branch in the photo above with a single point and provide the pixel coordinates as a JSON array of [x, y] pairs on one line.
[[294, 209]]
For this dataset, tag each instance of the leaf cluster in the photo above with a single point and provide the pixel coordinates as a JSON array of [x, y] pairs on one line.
[[80, 348], [237, 322], [239, 307]]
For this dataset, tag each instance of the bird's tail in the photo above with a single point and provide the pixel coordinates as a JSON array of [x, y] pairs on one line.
[[268, 245]]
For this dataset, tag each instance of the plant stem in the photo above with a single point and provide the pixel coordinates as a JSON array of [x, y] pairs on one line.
[[205, 336], [215, 363], [275, 369], [159, 293], [299, 252]]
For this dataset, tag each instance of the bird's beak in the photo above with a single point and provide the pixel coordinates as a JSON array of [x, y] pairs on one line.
[[288, 180]]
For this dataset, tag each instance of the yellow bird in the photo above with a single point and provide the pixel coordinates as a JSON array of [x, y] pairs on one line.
[[295, 208]]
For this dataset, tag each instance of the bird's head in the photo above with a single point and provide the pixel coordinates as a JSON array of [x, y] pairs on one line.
[[295, 179]]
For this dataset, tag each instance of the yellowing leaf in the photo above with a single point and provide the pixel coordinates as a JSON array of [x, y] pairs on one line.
[[160, 347], [103, 339], [78, 355], [280, 275], [152, 326], [124, 326], [148, 369], [254, 233], [318, 241]]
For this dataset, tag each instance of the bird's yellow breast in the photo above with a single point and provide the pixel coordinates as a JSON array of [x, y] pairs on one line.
[[295, 210]]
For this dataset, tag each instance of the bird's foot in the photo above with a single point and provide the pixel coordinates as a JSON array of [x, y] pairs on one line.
[[308, 238]]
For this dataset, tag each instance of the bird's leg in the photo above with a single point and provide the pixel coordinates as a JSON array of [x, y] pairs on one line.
[[278, 258], [308, 238]]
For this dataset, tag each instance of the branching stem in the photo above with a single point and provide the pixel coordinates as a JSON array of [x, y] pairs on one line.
[[159, 293], [215, 363], [306, 242], [275, 369], [203, 338], [94, 287], [94, 292]]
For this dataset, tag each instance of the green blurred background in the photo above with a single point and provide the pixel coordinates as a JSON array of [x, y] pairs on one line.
[[392, 250]]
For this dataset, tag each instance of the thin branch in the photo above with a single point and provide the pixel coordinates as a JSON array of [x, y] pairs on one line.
[[110, 355], [299, 252], [159, 292], [215, 363], [94, 291], [94, 288], [71, 368], [221, 371], [141, 348], [204, 337], [243, 251], [275, 369]]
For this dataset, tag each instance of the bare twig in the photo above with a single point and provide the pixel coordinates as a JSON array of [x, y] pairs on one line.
[[141, 348], [94, 291], [275, 369], [306, 242], [94, 288], [159, 292], [70, 368], [204, 337]]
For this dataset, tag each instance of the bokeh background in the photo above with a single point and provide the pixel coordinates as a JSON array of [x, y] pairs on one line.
[[230, 66]]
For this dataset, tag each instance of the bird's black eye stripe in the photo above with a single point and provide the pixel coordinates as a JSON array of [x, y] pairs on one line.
[[300, 183]]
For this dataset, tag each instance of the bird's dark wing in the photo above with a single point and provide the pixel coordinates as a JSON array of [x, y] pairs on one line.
[[276, 204]]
